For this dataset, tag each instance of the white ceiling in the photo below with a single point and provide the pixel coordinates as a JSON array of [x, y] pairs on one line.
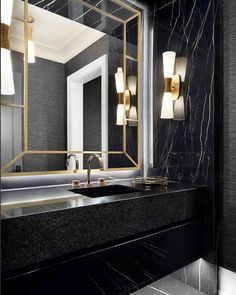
[[55, 37]]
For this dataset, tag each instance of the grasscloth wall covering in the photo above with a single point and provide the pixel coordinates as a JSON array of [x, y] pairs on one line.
[[228, 193]]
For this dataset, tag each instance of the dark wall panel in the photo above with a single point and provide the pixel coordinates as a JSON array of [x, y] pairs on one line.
[[228, 192], [184, 150]]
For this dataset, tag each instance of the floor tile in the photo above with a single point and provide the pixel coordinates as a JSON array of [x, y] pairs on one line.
[[147, 291], [171, 286]]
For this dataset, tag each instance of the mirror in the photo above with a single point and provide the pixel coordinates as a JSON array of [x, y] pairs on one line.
[[66, 98]]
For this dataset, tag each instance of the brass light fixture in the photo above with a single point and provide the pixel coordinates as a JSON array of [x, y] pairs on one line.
[[7, 82], [173, 101]]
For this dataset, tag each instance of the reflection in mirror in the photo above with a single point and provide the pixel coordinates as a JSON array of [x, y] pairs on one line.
[[11, 135], [74, 53]]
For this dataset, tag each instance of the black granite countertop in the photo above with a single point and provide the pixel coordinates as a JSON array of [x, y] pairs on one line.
[[41, 224], [22, 202]]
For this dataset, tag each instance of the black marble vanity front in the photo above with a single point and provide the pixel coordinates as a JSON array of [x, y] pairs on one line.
[[59, 226]]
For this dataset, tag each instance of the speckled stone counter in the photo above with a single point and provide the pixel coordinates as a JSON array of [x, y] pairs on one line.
[[52, 222]]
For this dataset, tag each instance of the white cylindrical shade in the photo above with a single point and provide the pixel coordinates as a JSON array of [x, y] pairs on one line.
[[119, 81], [7, 82], [6, 11], [31, 52], [181, 67], [133, 116], [179, 113], [132, 84], [120, 114], [167, 106], [168, 63]]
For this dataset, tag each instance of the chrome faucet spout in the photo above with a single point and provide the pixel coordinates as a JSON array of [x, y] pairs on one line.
[[76, 161], [90, 158]]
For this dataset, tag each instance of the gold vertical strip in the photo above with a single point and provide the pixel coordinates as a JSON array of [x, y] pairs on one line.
[[139, 41], [124, 65], [26, 76]]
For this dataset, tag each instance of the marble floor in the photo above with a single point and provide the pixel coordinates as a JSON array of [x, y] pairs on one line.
[[168, 286]]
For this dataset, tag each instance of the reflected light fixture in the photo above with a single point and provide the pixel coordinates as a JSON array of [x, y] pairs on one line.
[[7, 81], [133, 116], [120, 112], [31, 49], [173, 101]]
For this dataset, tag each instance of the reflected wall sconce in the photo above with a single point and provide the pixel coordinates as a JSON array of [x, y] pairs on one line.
[[132, 85], [31, 49], [173, 101], [120, 112], [7, 81], [126, 99]]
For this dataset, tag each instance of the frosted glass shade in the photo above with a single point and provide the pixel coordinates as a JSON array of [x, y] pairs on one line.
[[168, 63], [6, 11], [181, 67], [31, 52], [167, 106], [132, 84], [120, 114], [133, 116], [7, 82], [119, 77], [179, 113]]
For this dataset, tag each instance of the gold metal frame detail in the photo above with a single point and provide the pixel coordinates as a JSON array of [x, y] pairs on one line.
[[27, 19]]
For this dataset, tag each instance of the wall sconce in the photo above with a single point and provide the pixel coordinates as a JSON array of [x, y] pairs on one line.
[[120, 112], [7, 82], [179, 109], [132, 85], [173, 101]]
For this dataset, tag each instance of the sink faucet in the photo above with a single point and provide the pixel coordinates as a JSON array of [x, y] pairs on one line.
[[89, 166], [76, 161]]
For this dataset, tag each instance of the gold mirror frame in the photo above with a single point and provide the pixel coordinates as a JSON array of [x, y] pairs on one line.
[[26, 151]]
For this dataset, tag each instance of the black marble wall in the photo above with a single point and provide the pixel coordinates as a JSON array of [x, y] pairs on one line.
[[228, 158], [185, 150]]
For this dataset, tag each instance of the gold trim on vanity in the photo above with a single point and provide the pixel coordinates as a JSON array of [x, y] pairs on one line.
[[27, 19]]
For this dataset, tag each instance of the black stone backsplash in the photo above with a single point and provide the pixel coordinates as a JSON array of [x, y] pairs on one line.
[[183, 150]]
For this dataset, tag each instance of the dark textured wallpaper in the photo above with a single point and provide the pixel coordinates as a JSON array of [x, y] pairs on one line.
[[228, 168]]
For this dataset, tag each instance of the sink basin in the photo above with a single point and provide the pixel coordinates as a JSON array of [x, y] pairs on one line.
[[102, 191]]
